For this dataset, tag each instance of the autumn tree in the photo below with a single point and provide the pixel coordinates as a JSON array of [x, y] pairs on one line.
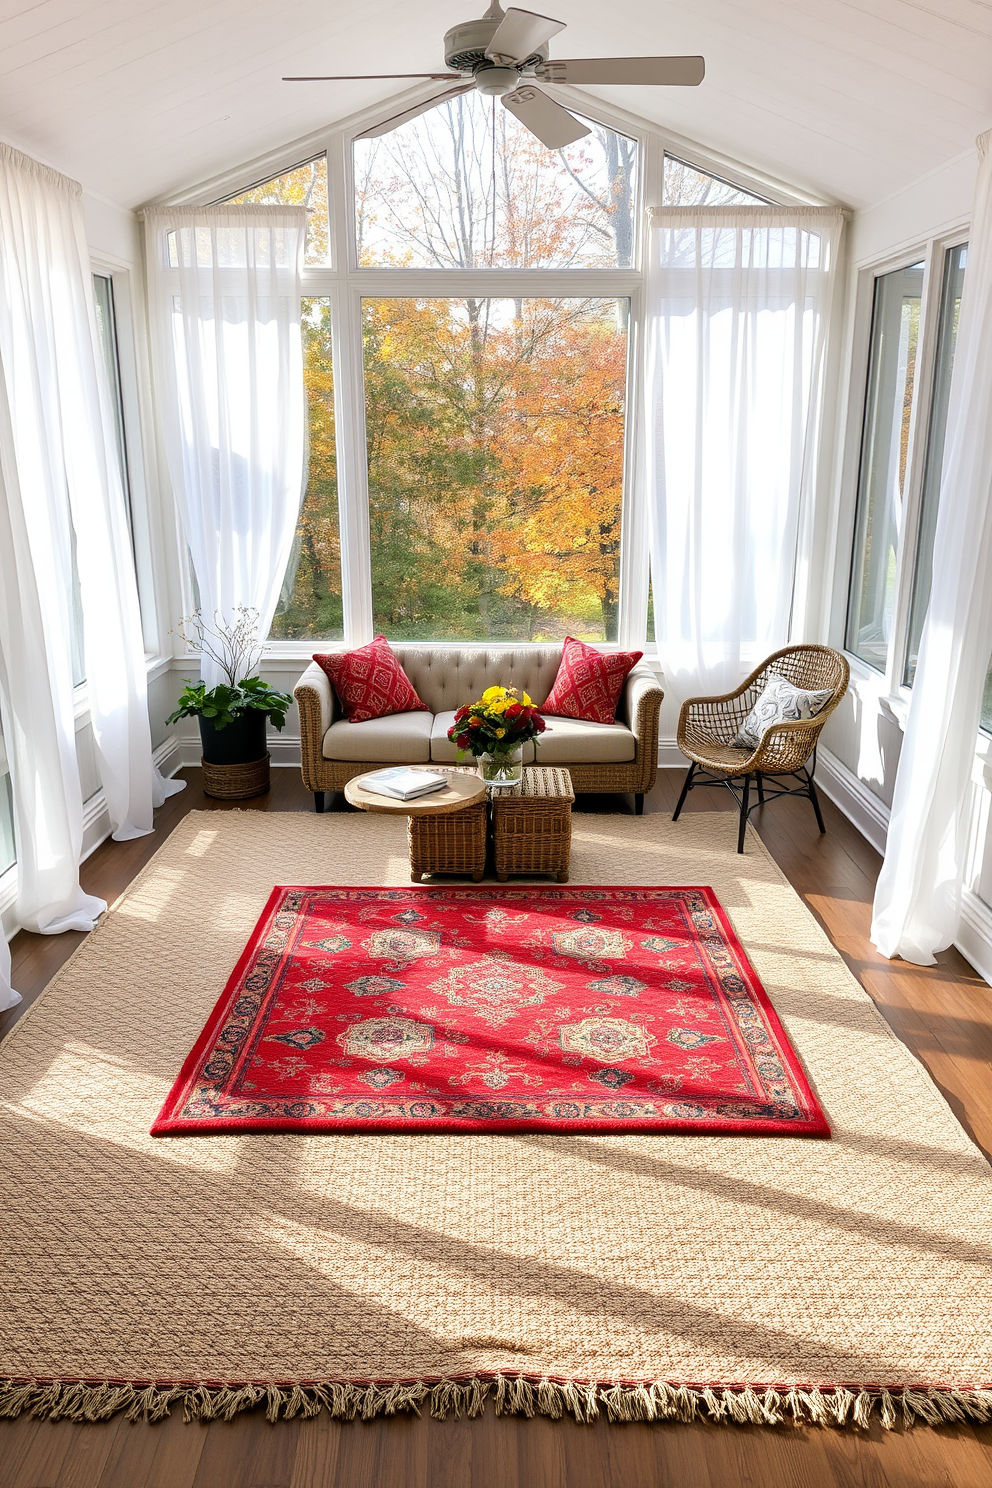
[[494, 427]]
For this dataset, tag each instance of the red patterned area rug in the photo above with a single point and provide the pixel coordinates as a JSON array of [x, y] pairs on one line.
[[471, 1009]]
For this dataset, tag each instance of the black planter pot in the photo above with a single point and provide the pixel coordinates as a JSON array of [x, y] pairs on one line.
[[239, 743]]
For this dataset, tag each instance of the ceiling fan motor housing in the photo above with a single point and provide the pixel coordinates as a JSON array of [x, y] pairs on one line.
[[465, 50]]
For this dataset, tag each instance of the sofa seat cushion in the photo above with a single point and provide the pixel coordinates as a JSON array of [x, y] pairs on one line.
[[445, 751], [575, 741], [398, 738]]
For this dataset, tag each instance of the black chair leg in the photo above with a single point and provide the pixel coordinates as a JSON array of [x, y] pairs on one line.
[[638, 803], [816, 805], [686, 787], [761, 787], [319, 799], [745, 796]]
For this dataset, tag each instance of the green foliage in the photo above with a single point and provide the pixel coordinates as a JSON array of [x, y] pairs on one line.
[[223, 704]]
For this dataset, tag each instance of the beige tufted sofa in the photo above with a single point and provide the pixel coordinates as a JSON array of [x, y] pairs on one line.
[[622, 756]]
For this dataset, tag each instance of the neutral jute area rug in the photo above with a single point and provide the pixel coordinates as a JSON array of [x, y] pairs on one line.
[[644, 1277]]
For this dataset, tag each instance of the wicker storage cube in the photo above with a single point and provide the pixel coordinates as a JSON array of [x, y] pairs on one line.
[[532, 824], [449, 842]]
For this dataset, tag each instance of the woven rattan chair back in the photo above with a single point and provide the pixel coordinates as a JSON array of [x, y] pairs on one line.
[[709, 728]]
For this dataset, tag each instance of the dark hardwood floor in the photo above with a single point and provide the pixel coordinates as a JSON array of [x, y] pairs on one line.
[[943, 1014]]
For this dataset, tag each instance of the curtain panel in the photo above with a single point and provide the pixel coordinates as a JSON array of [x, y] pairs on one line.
[[918, 895], [738, 305], [224, 308], [60, 482]]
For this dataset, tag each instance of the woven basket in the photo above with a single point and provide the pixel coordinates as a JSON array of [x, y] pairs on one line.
[[236, 782], [449, 842], [532, 825]]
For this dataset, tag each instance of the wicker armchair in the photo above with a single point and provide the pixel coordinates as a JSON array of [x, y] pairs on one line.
[[709, 726]]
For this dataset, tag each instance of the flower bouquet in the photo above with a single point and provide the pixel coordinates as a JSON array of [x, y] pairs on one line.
[[494, 730]]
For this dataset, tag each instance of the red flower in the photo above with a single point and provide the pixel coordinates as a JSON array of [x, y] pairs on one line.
[[463, 741], [539, 723], [462, 713], [514, 710]]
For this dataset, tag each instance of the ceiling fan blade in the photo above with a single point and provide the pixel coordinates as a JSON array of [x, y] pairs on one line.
[[412, 113], [553, 125], [667, 71], [375, 77], [520, 33]]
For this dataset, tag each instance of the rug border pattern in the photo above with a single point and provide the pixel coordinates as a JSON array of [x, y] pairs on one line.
[[189, 1111]]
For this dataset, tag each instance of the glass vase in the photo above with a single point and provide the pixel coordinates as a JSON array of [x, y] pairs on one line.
[[503, 770]]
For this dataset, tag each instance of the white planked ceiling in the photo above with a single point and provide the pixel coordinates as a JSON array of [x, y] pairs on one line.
[[850, 99]]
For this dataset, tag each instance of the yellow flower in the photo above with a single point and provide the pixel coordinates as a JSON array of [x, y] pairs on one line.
[[499, 705], [474, 722], [499, 733], [527, 702], [491, 694]]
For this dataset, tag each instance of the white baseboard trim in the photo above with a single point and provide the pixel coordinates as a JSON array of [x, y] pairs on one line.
[[871, 817], [974, 937], [284, 750], [96, 829], [670, 756], [860, 805], [96, 822], [168, 757]]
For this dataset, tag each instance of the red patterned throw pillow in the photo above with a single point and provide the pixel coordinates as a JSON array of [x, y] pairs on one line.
[[588, 683], [370, 682]]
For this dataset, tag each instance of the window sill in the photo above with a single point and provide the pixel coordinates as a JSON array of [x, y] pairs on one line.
[[895, 707]]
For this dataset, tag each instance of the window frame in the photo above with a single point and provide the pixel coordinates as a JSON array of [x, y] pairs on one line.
[[341, 281], [932, 252], [132, 403]]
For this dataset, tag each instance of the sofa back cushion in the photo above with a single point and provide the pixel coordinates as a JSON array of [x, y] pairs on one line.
[[446, 676]]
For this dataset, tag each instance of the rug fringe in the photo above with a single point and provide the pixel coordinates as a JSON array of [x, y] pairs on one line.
[[512, 1395]]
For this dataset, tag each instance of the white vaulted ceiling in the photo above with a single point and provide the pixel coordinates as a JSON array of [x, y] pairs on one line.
[[850, 99]]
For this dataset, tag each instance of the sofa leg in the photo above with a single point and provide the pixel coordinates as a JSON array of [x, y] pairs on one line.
[[319, 799], [639, 803]]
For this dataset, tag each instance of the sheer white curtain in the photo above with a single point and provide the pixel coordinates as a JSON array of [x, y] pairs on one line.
[[224, 301], [738, 301], [918, 895], [59, 473]]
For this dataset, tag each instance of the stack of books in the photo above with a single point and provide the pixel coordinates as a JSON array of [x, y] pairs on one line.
[[403, 783]]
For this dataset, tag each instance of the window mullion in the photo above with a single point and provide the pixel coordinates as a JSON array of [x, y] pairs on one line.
[[353, 486]]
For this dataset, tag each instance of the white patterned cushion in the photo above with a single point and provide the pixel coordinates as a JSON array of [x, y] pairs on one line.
[[779, 701]]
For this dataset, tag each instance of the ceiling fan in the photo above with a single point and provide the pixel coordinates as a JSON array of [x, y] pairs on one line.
[[505, 53]]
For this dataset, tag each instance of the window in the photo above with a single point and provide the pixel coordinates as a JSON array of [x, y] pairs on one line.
[[495, 447], [914, 327], [106, 324], [895, 330], [687, 186], [466, 366], [466, 186], [311, 604], [955, 260], [304, 185]]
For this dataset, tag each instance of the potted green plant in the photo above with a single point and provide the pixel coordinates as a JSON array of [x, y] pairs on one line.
[[233, 714]]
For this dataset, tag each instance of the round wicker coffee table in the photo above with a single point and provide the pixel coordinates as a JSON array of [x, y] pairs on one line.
[[447, 828]]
